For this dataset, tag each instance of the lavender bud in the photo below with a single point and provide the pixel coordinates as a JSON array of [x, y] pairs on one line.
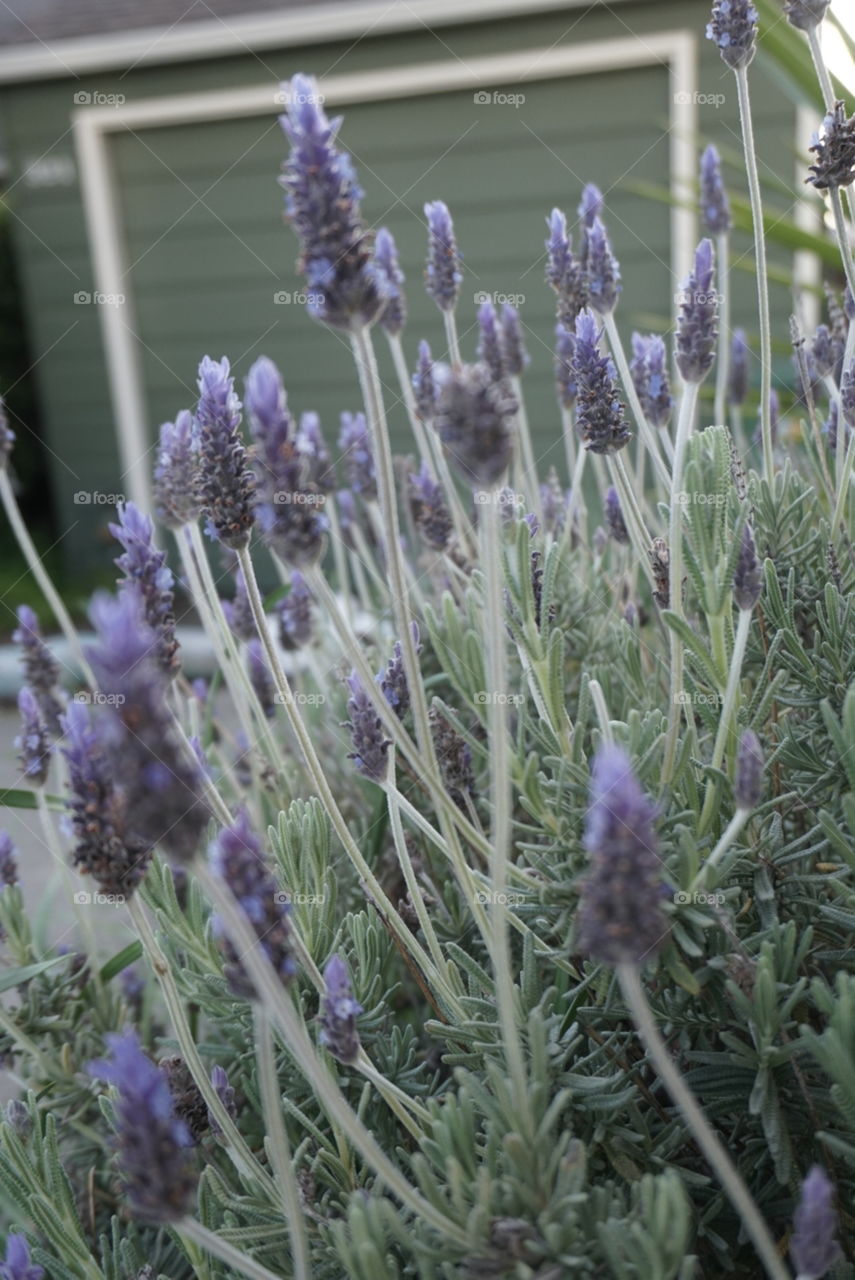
[[152, 1141], [620, 919], [8, 860], [7, 435], [339, 1012], [516, 356], [322, 202], [347, 515], [737, 387], [591, 205], [295, 614], [176, 473], [370, 745], [17, 1265], [733, 27], [715, 206], [604, 285], [226, 1094], [697, 325], [747, 582], [490, 350], [454, 758], [313, 449], [187, 1099], [834, 148], [660, 560], [354, 441], [393, 681], [236, 856], [430, 511], [649, 371], [805, 14], [32, 743], [225, 481], [146, 569], [442, 276], [748, 781], [260, 678], [847, 396], [822, 351], [474, 419], [394, 314], [601, 422], [813, 1247], [832, 427], [17, 1114], [565, 356], [564, 271], [424, 384], [614, 516], [41, 670]]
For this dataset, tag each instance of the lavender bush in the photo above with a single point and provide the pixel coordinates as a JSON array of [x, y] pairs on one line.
[[492, 913]]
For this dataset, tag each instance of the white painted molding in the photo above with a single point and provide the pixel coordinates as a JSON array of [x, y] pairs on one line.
[[676, 50]]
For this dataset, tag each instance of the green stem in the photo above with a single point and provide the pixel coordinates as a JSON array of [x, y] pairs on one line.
[[842, 237], [822, 74], [450, 322], [722, 364], [727, 838], [221, 1249], [645, 430], [714, 1151], [531, 485], [730, 695]]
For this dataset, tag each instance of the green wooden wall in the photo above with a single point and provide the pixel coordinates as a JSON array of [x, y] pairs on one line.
[[205, 271]]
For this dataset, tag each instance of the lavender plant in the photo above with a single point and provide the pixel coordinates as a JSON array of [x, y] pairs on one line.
[[491, 915]]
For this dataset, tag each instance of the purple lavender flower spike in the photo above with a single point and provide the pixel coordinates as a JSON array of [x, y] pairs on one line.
[[225, 1092], [260, 678], [697, 325], [614, 516], [314, 450], [565, 358], [805, 14], [354, 441], [394, 315], [601, 422], [158, 778], [649, 370], [834, 148], [822, 351], [454, 756], [490, 351], [748, 782], [225, 481], [106, 847], [516, 356], [237, 857], [424, 384], [295, 614], [747, 580], [339, 1012], [145, 567], [32, 743], [370, 745], [564, 271], [847, 396], [474, 419], [430, 510], [442, 276], [322, 199], [17, 1264], [393, 681], [715, 206], [152, 1142], [737, 386], [813, 1245], [41, 670], [603, 272], [733, 27], [591, 205], [7, 435], [620, 919], [176, 473], [8, 860]]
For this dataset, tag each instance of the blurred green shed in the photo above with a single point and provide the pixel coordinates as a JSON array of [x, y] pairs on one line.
[[142, 173]]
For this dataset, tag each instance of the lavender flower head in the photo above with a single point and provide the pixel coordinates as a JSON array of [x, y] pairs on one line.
[[805, 14], [32, 743], [354, 441], [339, 1012], [176, 473], [614, 516], [394, 314], [322, 199], [424, 384], [823, 355], [737, 385], [601, 422], [813, 1246], [393, 681], [236, 856], [314, 451], [733, 27], [8, 861], [620, 919], [442, 275], [295, 614], [747, 581], [17, 1264], [591, 205], [490, 350], [225, 481], [649, 370], [834, 148], [41, 670], [715, 206], [370, 745], [7, 435], [454, 757], [565, 357], [474, 419], [847, 395], [697, 325], [152, 1141], [516, 356], [564, 271], [603, 272], [748, 781], [430, 510], [146, 569]]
